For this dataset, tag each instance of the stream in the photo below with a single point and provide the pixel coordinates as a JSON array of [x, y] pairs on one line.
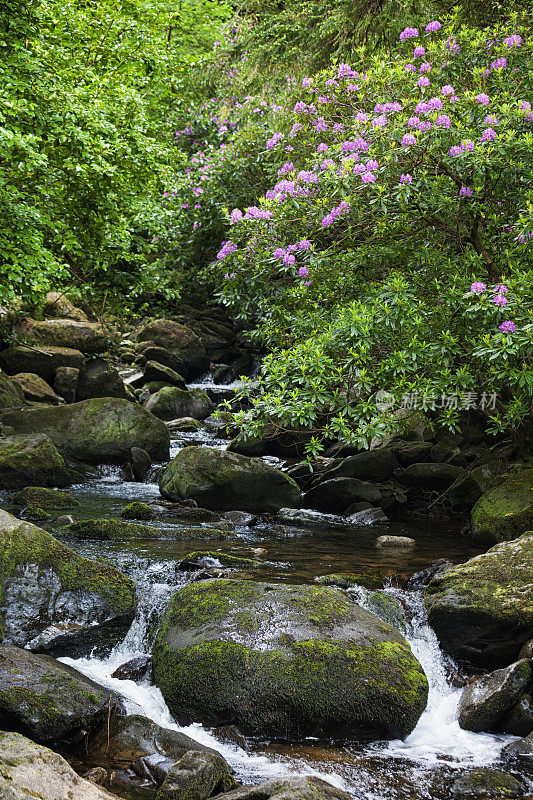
[[419, 767]]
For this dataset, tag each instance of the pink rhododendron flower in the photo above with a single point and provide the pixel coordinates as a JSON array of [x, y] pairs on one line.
[[477, 287], [507, 326]]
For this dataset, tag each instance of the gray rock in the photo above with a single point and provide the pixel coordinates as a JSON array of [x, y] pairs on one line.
[[488, 698], [520, 751], [37, 389], [133, 670], [101, 379], [42, 361], [66, 383], [519, 720], [170, 403], [58, 305], [370, 465], [153, 371], [299, 788], [506, 511], [367, 516], [527, 650], [240, 518], [433, 477], [487, 783], [31, 460], [161, 356], [396, 542], [11, 394], [87, 337], [335, 495], [410, 452], [181, 341], [308, 518]]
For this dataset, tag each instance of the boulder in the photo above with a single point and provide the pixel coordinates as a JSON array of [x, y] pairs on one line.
[[370, 465], [31, 459], [482, 611], [521, 750], [201, 559], [153, 371], [506, 511], [410, 452], [47, 700], [137, 510], [37, 389], [109, 529], [101, 379], [181, 341], [336, 495], [170, 403], [101, 430], [226, 481], [488, 698], [241, 518], [367, 516], [292, 661], [58, 305], [52, 599], [471, 486], [87, 337], [308, 518], [134, 670], [297, 788], [160, 356], [430, 477], [186, 424], [519, 719], [42, 361], [478, 784], [49, 499], [28, 770], [66, 383], [350, 580], [11, 394]]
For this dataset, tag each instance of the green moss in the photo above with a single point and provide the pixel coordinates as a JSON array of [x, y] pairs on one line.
[[45, 498], [225, 559], [506, 511], [136, 510], [346, 580], [110, 529]]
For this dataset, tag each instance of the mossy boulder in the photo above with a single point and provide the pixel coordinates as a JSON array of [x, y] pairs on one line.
[[101, 379], [482, 611], [487, 699], [47, 700], [36, 389], [109, 529], [88, 337], [11, 394], [285, 660], [170, 402], [292, 788], [136, 510], [42, 361], [45, 498], [181, 341], [31, 459], [350, 580], [505, 511], [484, 782], [29, 770], [53, 600], [226, 481], [59, 305], [208, 558], [153, 371], [101, 430]]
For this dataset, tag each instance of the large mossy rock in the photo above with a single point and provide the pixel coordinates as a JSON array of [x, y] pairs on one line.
[[11, 394], [101, 430], [88, 337], [225, 481], [31, 459], [59, 305], [49, 499], [482, 611], [110, 529], [179, 340], [29, 771], [47, 700], [487, 699], [506, 511], [486, 783], [101, 379], [52, 600], [170, 402], [297, 788], [285, 660], [42, 361], [36, 389]]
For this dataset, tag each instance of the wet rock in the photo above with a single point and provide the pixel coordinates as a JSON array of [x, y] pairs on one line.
[[31, 459], [527, 650], [396, 542], [52, 600], [299, 788], [42, 361], [66, 383], [226, 481], [519, 720], [28, 770], [335, 495], [387, 608], [506, 511], [170, 403], [213, 558], [58, 305], [134, 670], [520, 751], [109, 529], [179, 340], [482, 611], [140, 755], [141, 463], [140, 511], [285, 660], [486, 783], [410, 452], [367, 516], [98, 431], [309, 518], [47, 700], [370, 465], [153, 371], [11, 394], [476, 481], [355, 508], [187, 424], [240, 518], [36, 389], [446, 448], [350, 580], [45, 498], [231, 734], [431, 477], [421, 579], [488, 698], [87, 337], [96, 775], [160, 356], [101, 379], [191, 514]]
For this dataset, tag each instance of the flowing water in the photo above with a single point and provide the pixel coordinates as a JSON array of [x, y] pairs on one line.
[[419, 767]]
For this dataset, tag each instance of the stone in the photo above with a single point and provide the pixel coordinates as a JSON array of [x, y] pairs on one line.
[[37, 389], [31, 459], [370, 465], [519, 719], [66, 383], [58, 305], [136, 510], [240, 518], [227, 482], [153, 371], [202, 559], [42, 361], [110, 529], [101, 379], [11, 394], [482, 611], [335, 495], [527, 650], [478, 784], [410, 452], [350, 580], [308, 518], [297, 788], [396, 542], [187, 424], [520, 751], [488, 698], [53, 600], [28, 770], [47, 700], [134, 670], [99, 431], [293, 661], [141, 463], [430, 477], [172, 403], [446, 448], [475, 481], [45, 498], [191, 514], [142, 757], [367, 516], [181, 341], [87, 337], [161, 356], [505, 511]]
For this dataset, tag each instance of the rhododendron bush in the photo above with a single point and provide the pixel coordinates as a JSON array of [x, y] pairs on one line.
[[399, 185]]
